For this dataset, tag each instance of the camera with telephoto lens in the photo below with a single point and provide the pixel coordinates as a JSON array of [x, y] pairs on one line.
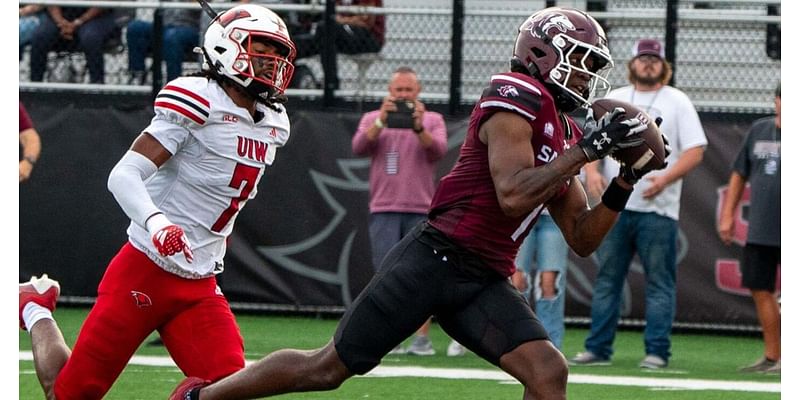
[[402, 118]]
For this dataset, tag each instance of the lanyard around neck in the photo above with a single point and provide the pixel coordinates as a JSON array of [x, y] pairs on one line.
[[652, 101]]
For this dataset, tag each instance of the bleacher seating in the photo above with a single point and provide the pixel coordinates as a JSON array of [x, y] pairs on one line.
[[719, 63]]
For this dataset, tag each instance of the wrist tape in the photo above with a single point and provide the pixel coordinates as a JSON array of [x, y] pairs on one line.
[[615, 197]]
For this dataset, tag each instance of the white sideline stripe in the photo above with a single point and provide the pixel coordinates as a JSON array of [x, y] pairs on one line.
[[496, 375], [689, 384]]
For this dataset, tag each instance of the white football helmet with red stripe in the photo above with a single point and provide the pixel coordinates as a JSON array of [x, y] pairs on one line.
[[228, 49]]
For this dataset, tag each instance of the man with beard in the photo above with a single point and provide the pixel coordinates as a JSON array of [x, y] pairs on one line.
[[649, 224]]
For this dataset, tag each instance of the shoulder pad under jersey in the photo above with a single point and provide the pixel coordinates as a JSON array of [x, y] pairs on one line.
[[514, 94], [185, 98]]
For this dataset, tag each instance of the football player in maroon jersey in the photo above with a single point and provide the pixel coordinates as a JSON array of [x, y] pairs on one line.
[[515, 161]]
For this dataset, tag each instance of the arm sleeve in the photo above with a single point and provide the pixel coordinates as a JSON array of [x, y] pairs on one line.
[[126, 183]]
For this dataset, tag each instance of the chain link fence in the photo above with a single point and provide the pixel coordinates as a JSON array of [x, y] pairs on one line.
[[721, 57]]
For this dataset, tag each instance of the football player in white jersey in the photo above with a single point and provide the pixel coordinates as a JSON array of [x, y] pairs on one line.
[[182, 183]]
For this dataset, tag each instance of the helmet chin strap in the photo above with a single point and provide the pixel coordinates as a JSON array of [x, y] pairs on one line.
[[270, 101], [258, 89], [564, 101]]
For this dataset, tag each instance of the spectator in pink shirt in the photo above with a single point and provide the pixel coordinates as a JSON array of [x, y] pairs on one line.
[[405, 142]]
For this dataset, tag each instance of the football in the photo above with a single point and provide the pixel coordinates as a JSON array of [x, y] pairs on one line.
[[650, 154]]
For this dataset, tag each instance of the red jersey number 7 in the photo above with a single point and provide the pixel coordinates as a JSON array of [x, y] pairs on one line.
[[241, 174]]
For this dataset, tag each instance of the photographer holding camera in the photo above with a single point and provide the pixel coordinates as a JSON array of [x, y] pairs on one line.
[[404, 142]]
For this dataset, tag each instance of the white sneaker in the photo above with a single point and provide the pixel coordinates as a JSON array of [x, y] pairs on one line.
[[588, 358], [761, 365], [652, 361], [421, 346], [455, 349], [775, 369]]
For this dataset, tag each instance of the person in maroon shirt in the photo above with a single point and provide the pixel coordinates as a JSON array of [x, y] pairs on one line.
[[514, 162], [30, 144]]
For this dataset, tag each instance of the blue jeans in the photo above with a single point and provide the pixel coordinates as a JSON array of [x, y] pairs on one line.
[[27, 26], [177, 40], [654, 238], [89, 38], [387, 228], [546, 243]]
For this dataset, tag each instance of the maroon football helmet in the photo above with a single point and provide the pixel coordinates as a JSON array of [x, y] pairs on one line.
[[547, 41]]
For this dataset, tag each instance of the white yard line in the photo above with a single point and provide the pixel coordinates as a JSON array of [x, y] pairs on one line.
[[497, 375]]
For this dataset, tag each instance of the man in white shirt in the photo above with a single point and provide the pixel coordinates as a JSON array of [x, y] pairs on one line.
[[649, 224]]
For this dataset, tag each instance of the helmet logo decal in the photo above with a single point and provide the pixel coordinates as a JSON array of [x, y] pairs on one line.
[[558, 21], [281, 25], [508, 90], [232, 15]]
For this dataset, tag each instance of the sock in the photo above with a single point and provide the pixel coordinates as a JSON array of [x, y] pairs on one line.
[[33, 313]]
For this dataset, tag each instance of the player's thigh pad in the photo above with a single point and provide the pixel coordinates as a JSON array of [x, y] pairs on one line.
[[399, 298], [493, 322], [204, 339]]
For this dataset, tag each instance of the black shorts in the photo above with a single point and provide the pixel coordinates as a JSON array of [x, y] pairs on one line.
[[423, 275], [760, 267]]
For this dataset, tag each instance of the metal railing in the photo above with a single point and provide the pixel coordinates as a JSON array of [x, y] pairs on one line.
[[720, 58]]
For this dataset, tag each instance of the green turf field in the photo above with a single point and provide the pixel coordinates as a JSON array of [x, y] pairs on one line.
[[698, 360]]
